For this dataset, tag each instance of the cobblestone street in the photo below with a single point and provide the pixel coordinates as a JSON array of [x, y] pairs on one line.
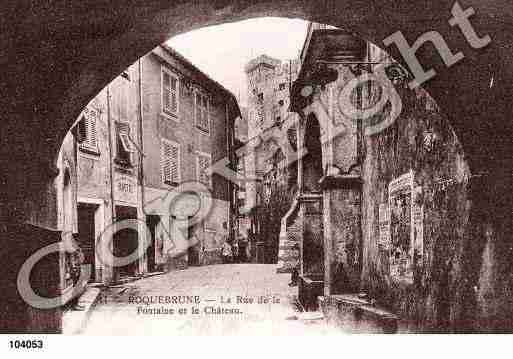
[[118, 313]]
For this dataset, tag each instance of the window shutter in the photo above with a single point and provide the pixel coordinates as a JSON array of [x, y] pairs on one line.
[[203, 166], [166, 84], [91, 129], [175, 175], [205, 113], [169, 93], [164, 164], [170, 163], [173, 95], [81, 131], [124, 145], [198, 110], [87, 129], [201, 111]]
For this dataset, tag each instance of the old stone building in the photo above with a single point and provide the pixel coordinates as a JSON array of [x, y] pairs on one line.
[[269, 84], [106, 183], [383, 205], [158, 125], [188, 126]]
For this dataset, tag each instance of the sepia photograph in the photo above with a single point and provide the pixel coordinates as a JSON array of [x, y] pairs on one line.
[[255, 168]]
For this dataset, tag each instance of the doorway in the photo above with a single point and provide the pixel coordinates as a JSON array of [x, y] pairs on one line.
[[126, 242], [152, 223], [87, 235]]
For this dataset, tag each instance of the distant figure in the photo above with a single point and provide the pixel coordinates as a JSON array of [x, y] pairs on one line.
[[251, 246], [226, 252], [76, 259], [243, 248], [294, 277], [248, 251], [235, 251]]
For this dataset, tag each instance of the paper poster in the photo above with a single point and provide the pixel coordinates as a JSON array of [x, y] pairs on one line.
[[418, 224], [384, 226]]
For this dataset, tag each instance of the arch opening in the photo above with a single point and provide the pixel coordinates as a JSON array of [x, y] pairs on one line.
[[481, 81]]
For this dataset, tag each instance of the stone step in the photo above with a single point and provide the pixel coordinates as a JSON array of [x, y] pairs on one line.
[[288, 253], [73, 321]]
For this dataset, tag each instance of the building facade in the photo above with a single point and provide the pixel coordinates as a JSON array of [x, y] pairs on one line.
[[106, 176], [159, 125], [188, 126], [383, 204], [269, 83], [241, 138]]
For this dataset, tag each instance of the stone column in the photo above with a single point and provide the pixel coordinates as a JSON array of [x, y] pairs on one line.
[[311, 272], [28, 223]]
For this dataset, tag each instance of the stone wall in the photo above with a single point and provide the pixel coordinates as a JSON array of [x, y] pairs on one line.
[[343, 253], [422, 141], [116, 103]]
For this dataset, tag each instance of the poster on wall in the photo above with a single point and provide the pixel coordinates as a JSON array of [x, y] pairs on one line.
[[418, 224], [400, 192], [384, 226]]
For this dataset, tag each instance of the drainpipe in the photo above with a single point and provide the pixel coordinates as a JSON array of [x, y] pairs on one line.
[[141, 152], [111, 169], [141, 137], [230, 184]]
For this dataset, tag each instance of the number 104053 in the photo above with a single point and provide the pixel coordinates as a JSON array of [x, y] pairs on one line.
[[26, 344]]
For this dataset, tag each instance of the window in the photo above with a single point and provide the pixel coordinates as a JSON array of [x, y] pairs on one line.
[[241, 168], [170, 162], [86, 130], [241, 202], [282, 86], [281, 102], [261, 97], [124, 146], [169, 93], [202, 168], [201, 111]]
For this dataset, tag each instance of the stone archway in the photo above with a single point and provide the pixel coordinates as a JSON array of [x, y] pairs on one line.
[[73, 39], [87, 45]]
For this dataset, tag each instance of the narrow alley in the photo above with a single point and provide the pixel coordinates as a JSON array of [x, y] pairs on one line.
[[118, 313]]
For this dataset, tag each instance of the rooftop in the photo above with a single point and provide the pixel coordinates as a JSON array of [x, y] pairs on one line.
[[263, 60]]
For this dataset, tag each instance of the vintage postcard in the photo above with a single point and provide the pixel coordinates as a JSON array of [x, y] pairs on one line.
[[255, 168]]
